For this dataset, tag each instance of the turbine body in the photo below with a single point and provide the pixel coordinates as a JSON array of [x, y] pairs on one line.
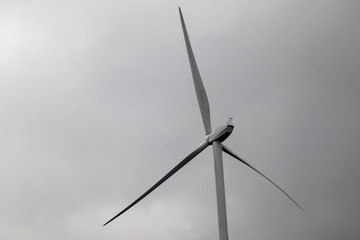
[[214, 138], [220, 133]]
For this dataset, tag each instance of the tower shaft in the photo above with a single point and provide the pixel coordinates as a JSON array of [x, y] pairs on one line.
[[220, 191]]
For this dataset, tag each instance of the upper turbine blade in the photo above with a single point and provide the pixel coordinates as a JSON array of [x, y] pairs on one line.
[[228, 151], [199, 86], [199, 149]]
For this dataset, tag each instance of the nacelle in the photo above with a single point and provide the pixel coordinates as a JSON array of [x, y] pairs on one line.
[[220, 134]]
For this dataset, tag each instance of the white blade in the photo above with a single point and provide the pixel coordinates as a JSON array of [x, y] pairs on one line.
[[228, 151], [199, 86], [198, 150]]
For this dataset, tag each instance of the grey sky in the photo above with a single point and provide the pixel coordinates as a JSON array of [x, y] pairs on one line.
[[97, 103]]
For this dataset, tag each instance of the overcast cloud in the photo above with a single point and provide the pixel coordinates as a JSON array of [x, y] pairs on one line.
[[97, 104]]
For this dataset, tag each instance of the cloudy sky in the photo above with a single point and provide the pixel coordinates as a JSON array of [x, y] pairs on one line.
[[97, 104]]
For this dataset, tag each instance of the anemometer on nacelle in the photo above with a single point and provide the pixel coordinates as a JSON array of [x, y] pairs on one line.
[[229, 122]]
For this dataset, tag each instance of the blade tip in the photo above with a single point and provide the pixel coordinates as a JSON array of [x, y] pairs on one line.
[[107, 222], [180, 12]]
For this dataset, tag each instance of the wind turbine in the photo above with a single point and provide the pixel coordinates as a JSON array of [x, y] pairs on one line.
[[214, 138]]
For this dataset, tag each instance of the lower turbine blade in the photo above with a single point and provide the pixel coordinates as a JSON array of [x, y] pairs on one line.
[[231, 153], [198, 150]]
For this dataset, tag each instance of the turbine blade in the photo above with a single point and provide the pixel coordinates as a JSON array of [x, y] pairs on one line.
[[199, 149], [199, 86], [231, 153]]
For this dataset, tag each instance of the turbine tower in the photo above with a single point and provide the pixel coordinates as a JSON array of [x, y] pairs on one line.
[[214, 138]]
